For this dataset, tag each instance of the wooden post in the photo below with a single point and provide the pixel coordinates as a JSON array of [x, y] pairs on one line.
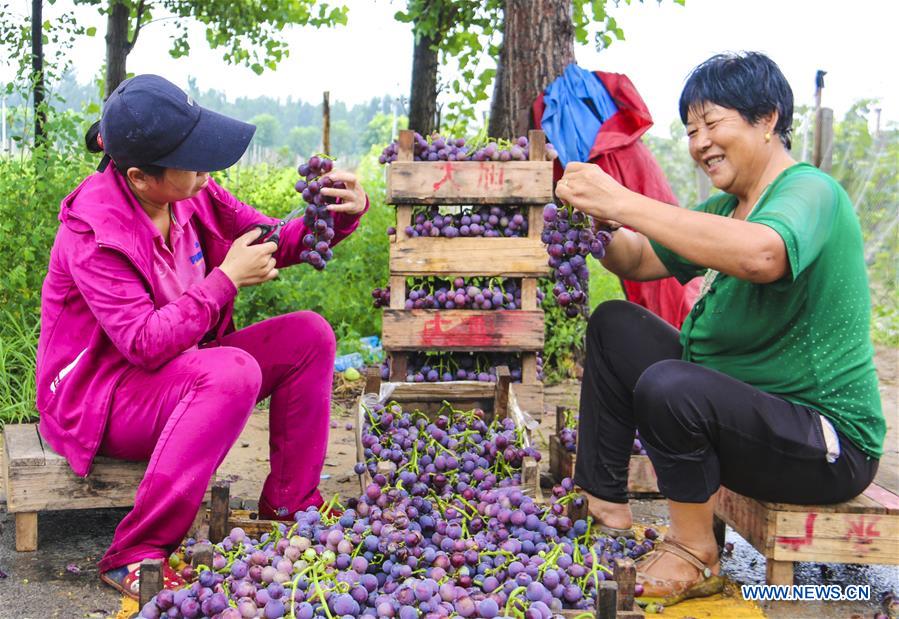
[[26, 531], [529, 368], [326, 123], [607, 600], [405, 144], [778, 572], [218, 518], [501, 397], [202, 555], [823, 153], [529, 294], [536, 145], [151, 581], [625, 574], [373, 380]]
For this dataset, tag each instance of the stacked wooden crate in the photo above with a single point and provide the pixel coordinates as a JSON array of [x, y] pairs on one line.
[[460, 183]]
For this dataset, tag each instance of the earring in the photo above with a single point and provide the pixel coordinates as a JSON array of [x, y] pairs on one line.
[[767, 137]]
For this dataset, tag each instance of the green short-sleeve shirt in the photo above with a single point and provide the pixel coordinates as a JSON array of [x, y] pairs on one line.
[[806, 337]]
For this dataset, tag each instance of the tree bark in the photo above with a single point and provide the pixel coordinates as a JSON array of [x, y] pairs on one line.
[[117, 44], [37, 69], [423, 98], [538, 43]]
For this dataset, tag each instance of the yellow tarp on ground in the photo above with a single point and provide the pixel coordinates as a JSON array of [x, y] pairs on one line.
[[728, 605], [129, 608]]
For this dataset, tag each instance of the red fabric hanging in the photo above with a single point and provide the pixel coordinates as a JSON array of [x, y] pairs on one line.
[[619, 151]]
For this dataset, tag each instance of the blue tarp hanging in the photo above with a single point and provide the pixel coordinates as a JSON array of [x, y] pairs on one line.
[[577, 104]]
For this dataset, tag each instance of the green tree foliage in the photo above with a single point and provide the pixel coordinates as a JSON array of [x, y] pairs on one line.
[[380, 130], [249, 32], [304, 139], [268, 130], [469, 35]]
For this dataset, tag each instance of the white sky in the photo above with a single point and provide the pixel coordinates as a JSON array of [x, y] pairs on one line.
[[372, 56]]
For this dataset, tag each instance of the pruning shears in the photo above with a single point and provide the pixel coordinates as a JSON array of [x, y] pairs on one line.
[[272, 233]]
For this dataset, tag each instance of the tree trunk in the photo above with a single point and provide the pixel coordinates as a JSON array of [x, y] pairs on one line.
[[423, 98], [37, 69], [117, 45], [538, 43]]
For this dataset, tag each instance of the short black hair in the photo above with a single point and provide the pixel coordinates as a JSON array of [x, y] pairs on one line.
[[748, 82]]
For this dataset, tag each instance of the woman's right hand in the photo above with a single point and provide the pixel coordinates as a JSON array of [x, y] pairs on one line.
[[248, 265]]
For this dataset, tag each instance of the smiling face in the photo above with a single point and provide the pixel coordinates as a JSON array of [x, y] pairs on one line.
[[730, 150]]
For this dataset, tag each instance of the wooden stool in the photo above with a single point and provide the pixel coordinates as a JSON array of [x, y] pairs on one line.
[[40, 480], [863, 530]]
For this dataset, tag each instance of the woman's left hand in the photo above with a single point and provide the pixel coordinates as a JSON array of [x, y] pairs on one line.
[[590, 190], [352, 198]]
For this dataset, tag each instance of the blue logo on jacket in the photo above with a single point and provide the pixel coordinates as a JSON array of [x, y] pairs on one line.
[[197, 257]]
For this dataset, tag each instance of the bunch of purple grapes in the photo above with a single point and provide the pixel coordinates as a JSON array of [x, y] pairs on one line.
[[441, 148], [435, 367], [435, 148], [483, 221], [318, 219], [445, 531], [515, 150], [569, 238], [568, 436], [480, 293]]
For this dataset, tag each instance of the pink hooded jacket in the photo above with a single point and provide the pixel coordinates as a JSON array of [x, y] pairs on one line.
[[103, 311]]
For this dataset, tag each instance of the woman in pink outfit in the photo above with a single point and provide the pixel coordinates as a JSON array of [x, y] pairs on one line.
[[138, 358]]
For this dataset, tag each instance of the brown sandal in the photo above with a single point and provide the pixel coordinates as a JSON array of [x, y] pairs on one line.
[[674, 591]]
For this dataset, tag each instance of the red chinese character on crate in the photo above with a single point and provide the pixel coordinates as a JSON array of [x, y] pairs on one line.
[[795, 543], [448, 170], [491, 175], [862, 531]]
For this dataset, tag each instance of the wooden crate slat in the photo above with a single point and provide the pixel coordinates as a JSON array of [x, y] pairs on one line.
[[507, 257], [747, 517], [529, 397], [862, 504], [112, 483], [50, 456], [437, 392], [498, 330], [884, 497], [828, 537], [469, 182], [23, 445]]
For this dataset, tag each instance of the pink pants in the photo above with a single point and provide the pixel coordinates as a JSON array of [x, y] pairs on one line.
[[185, 416]]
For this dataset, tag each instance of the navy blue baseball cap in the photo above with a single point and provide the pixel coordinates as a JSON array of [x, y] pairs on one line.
[[147, 120]]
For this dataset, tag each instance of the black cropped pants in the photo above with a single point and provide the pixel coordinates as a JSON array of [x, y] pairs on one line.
[[701, 428]]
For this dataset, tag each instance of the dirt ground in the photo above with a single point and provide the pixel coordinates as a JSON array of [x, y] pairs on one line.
[[60, 579]]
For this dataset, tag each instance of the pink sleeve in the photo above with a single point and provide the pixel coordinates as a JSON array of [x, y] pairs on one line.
[[146, 335], [291, 243]]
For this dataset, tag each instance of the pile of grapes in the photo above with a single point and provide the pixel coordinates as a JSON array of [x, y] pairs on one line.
[[445, 533], [440, 148], [318, 219], [479, 293], [568, 436], [435, 367], [481, 221], [569, 238]]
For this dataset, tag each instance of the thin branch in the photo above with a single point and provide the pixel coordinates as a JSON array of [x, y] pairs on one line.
[[137, 25]]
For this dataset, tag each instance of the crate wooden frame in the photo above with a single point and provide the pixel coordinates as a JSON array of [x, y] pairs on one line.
[[863, 530], [641, 479], [518, 183], [37, 479]]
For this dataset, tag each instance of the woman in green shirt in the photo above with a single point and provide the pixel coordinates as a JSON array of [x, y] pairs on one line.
[[770, 387]]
